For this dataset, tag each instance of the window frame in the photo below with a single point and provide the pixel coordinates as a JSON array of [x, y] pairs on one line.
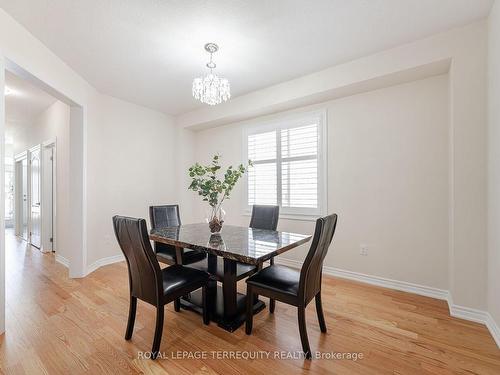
[[289, 122]]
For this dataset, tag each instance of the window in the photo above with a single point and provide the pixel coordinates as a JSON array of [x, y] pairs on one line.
[[289, 160]]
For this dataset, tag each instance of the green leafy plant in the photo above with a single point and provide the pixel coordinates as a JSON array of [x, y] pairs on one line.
[[214, 190]]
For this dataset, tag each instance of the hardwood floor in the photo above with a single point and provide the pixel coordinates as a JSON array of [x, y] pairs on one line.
[[57, 325]]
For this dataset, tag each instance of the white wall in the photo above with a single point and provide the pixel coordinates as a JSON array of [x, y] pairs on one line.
[[185, 153], [494, 165], [53, 123], [128, 150], [465, 49], [9, 158], [387, 180], [133, 166], [125, 150], [2, 196]]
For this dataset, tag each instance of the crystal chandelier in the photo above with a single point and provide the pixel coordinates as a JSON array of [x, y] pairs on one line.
[[211, 89]]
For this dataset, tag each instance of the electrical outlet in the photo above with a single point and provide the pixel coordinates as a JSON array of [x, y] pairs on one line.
[[363, 250]]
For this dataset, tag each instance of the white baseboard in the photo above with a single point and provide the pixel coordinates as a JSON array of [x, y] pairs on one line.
[[456, 311], [94, 266], [403, 286], [478, 316], [62, 260], [467, 313], [375, 280], [104, 262], [494, 329], [288, 262]]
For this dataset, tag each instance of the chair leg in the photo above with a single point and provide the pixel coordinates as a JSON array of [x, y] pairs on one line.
[[303, 331], [319, 310], [177, 304], [256, 296], [211, 298], [206, 314], [272, 302], [249, 323], [158, 331], [131, 317]]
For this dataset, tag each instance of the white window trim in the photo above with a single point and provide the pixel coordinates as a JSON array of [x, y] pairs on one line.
[[287, 122]]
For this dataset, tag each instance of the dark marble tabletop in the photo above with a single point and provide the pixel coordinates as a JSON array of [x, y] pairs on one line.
[[237, 243]]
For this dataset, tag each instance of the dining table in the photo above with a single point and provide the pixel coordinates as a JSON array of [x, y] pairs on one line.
[[232, 254]]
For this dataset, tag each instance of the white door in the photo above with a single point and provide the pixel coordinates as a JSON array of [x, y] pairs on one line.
[[21, 205], [35, 214], [24, 202], [48, 195]]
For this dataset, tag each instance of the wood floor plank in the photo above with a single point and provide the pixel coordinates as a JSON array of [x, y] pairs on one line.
[[57, 325]]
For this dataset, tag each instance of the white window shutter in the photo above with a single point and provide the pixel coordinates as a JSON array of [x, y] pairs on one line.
[[288, 166], [262, 177], [299, 167]]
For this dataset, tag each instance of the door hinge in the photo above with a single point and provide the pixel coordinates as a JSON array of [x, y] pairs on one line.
[[51, 239], [51, 158]]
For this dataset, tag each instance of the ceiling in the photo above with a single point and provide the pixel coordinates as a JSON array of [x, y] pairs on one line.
[[25, 103], [148, 51]]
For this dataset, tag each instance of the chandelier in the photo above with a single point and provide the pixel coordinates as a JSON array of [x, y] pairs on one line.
[[211, 89]]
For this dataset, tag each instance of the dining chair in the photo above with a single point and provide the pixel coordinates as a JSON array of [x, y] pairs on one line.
[[265, 217], [148, 282], [169, 216], [293, 287]]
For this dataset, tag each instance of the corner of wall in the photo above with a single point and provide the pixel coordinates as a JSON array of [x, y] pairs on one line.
[[493, 272], [104, 262], [2, 197]]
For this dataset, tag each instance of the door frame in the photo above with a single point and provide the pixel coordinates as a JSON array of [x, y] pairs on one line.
[[79, 98], [51, 143], [26, 155], [18, 158], [31, 150]]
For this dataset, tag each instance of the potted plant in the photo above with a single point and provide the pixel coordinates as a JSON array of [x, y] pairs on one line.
[[206, 182]]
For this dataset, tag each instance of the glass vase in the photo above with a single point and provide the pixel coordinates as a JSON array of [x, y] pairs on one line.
[[215, 219]]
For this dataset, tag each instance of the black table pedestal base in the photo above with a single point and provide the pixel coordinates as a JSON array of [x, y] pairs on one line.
[[216, 307]]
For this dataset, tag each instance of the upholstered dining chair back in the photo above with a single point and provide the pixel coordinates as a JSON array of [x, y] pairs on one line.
[[311, 272], [144, 271], [164, 216], [265, 217]]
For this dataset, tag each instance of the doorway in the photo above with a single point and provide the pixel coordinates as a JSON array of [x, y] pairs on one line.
[[72, 248], [35, 222], [35, 213], [48, 196], [21, 196]]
